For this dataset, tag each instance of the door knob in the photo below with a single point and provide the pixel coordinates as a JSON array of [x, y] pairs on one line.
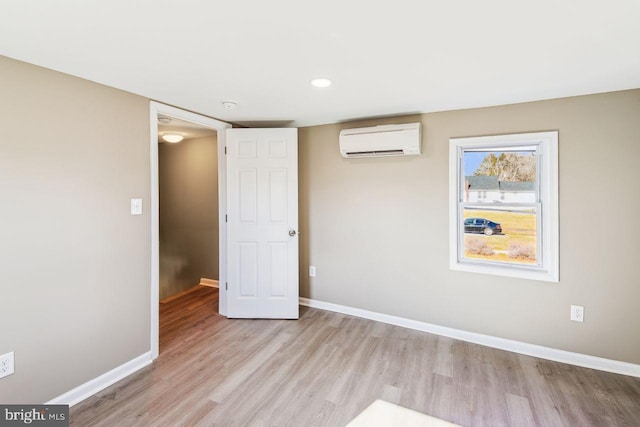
[[292, 233]]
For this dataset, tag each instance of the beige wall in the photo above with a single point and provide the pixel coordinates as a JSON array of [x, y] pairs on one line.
[[188, 174], [75, 264], [377, 229]]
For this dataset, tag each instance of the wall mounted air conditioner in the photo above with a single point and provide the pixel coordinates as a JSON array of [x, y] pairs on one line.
[[384, 140]]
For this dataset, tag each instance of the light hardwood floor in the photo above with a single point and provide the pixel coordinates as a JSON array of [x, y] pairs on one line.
[[325, 368]]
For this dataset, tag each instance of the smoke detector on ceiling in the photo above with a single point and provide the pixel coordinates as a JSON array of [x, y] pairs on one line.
[[229, 105], [164, 120]]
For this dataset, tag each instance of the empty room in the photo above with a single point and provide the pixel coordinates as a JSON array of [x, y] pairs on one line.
[[409, 213]]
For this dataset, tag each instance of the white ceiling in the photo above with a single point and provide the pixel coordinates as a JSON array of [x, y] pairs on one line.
[[385, 58], [187, 129]]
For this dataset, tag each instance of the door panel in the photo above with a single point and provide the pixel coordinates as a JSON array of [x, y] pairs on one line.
[[277, 273], [248, 192], [262, 205], [248, 264], [278, 195]]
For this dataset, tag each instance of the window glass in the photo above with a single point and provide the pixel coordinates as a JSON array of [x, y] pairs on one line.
[[497, 177], [505, 234], [500, 175]]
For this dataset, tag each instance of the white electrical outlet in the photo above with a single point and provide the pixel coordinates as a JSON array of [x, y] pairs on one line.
[[6, 364], [312, 271], [577, 313]]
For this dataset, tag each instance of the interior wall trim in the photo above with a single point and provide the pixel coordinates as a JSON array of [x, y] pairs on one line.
[[577, 359], [101, 382], [209, 282]]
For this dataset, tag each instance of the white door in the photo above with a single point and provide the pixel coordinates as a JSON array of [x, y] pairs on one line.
[[262, 223]]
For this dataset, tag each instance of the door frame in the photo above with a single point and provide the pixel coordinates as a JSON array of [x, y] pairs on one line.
[[156, 108]]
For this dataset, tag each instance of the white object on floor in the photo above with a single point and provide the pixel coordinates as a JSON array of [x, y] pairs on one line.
[[385, 414]]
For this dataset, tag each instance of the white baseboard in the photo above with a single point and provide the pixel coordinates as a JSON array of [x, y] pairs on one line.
[[548, 353], [97, 384], [209, 282]]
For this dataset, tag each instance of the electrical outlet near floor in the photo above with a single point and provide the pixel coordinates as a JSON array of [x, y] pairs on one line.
[[577, 313], [6, 364]]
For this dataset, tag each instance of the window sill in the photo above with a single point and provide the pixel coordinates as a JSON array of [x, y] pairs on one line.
[[523, 272]]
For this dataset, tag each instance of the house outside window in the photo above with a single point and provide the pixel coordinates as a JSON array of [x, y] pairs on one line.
[[504, 205]]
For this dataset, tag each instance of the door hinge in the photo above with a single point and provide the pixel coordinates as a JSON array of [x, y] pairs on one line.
[[226, 286], [225, 217], [225, 150]]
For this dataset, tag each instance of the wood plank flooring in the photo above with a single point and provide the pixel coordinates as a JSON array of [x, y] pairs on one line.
[[326, 368]]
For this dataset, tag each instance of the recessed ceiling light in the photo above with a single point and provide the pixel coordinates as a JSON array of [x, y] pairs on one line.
[[172, 137], [321, 82]]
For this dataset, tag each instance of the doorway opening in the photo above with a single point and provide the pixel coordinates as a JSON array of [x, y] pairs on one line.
[[188, 201], [188, 188]]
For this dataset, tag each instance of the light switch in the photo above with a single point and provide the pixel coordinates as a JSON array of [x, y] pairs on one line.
[[136, 206]]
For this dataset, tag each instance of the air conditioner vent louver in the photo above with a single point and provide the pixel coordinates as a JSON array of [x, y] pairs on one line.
[[375, 153], [381, 141]]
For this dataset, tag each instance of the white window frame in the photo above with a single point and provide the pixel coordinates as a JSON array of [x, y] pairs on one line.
[[548, 244]]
